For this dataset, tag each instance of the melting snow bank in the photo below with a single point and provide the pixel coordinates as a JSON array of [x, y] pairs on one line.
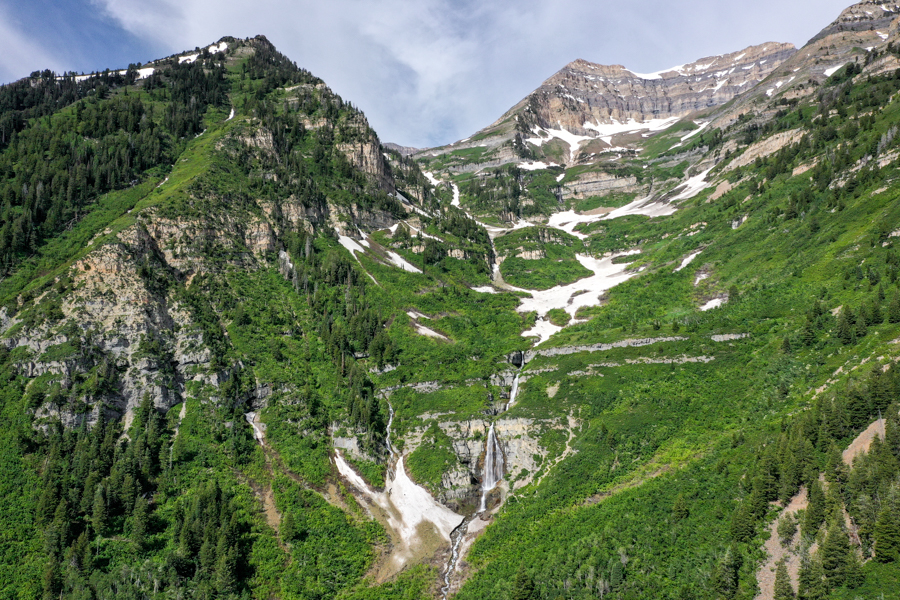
[[692, 187], [231, 116], [714, 303], [455, 201], [583, 293], [401, 262], [421, 330], [690, 258], [567, 221], [833, 70], [407, 507], [644, 206]]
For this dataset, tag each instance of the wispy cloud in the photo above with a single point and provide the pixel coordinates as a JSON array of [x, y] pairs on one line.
[[433, 71], [21, 54]]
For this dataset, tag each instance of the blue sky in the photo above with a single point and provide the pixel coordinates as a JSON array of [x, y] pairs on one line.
[[426, 72]]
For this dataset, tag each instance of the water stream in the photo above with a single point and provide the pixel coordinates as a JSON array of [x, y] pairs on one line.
[[493, 468]]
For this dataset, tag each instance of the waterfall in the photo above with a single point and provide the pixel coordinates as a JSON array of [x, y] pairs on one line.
[[387, 437], [514, 390], [493, 467]]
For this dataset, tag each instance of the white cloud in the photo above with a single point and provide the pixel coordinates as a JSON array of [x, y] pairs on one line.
[[19, 54], [432, 71]]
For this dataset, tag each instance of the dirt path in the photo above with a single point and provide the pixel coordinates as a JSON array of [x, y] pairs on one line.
[[573, 425]]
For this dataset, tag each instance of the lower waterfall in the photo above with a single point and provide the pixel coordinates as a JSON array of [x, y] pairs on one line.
[[493, 467]]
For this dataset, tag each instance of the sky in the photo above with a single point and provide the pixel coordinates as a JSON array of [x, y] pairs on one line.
[[425, 72]]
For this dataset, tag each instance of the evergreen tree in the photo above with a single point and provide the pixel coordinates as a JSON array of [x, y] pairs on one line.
[[523, 588], [815, 511], [854, 570], [812, 579], [875, 315], [680, 508], [725, 575], [139, 522], [894, 308], [845, 330], [861, 327], [887, 534], [783, 588], [98, 513], [835, 552]]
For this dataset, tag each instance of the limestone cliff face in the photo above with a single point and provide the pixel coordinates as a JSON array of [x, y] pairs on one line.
[[585, 94], [121, 309], [363, 149], [520, 443], [869, 15], [602, 102]]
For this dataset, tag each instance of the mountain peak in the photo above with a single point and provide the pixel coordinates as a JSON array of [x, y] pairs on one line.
[[869, 15]]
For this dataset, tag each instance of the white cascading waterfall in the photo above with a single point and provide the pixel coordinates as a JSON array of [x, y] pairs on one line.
[[514, 390], [493, 467]]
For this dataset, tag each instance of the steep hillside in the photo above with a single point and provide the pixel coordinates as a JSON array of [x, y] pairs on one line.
[[248, 351]]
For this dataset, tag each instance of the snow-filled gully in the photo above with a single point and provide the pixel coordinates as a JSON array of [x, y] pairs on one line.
[[409, 510]]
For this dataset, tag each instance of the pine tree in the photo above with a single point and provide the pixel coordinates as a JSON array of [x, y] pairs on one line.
[[783, 588], [786, 345], [875, 315], [523, 588], [835, 552], [680, 508], [725, 575], [845, 331], [894, 308], [139, 522], [815, 511], [98, 513], [854, 570], [861, 328], [288, 528], [812, 579], [887, 534]]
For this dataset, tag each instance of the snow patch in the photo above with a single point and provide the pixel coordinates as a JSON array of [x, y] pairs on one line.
[[833, 70], [690, 258], [714, 303], [657, 74], [230, 116], [188, 59], [605, 130], [583, 293], [692, 187], [537, 165], [485, 289], [421, 330], [406, 505], [696, 131], [399, 261]]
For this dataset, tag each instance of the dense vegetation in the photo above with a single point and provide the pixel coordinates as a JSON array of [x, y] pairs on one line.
[[660, 467]]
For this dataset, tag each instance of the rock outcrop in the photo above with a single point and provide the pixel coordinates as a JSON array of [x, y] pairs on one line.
[[584, 96]]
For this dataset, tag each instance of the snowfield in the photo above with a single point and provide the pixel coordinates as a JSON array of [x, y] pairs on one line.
[[583, 293], [409, 509]]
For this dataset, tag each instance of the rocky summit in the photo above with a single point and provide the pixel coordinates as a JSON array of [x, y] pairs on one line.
[[638, 338]]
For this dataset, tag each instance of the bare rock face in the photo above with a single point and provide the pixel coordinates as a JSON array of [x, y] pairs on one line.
[[585, 95], [599, 102], [869, 15]]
